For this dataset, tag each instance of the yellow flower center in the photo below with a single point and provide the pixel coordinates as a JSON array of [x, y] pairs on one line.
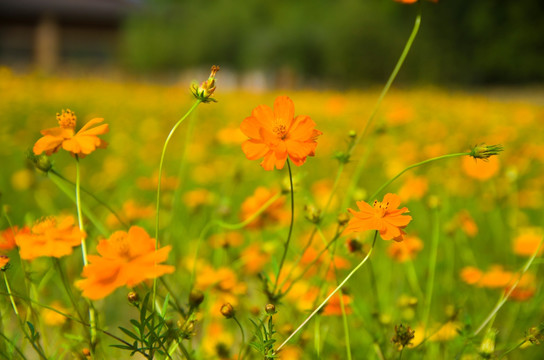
[[67, 120], [380, 207], [43, 224], [118, 242], [280, 130]]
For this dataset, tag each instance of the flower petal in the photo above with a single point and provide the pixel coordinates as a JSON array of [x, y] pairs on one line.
[[254, 149], [284, 110]]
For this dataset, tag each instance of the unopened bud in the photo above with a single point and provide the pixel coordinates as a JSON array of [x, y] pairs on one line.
[[196, 297], [133, 298], [206, 88], [270, 309], [487, 348], [227, 310], [312, 213], [484, 152], [403, 336]]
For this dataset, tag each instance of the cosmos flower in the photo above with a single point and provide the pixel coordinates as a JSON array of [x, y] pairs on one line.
[[382, 216], [277, 134], [126, 258], [49, 236], [82, 143]]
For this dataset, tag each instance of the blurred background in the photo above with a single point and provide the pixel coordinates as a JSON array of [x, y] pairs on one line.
[[265, 44]]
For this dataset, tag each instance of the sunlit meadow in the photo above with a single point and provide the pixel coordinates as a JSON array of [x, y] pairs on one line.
[[191, 222]]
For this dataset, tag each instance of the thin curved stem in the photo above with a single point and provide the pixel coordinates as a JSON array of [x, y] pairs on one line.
[[331, 294], [157, 210], [387, 183], [70, 193], [503, 299], [392, 77], [96, 198], [79, 215], [92, 315], [243, 337], [36, 347], [432, 270], [286, 245]]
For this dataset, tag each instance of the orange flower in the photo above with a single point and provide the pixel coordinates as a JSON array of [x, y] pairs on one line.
[[471, 275], [275, 213], [406, 250], [126, 258], [276, 134], [49, 237], [7, 237], [382, 216], [82, 143], [526, 243], [4, 260], [334, 306], [480, 169]]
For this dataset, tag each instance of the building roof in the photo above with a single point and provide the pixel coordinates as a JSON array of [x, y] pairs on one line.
[[69, 10]]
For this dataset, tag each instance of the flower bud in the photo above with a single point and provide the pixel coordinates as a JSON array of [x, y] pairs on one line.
[[227, 310], [196, 297], [41, 162], [487, 347], [270, 309], [484, 152], [403, 336], [206, 88], [312, 213], [133, 298]]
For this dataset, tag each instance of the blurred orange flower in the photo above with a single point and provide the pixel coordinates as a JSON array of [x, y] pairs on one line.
[[276, 134], [526, 243], [382, 216], [7, 237], [334, 306], [126, 258], [82, 143], [275, 213], [471, 275], [405, 250], [481, 169], [49, 237]]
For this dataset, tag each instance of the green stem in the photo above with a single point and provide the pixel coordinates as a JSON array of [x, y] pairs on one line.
[[359, 168], [286, 245], [13, 346], [432, 271], [243, 338], [412, 278], [414, 166], [331, 294], [392, 77], [36, 347], [79, 215], [92, 315], [66, 284], [515, 347], [69, 192], [225, 225], [157, 210], [504, 297], [96, 198]]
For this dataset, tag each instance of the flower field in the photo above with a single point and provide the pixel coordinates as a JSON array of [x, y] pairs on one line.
[[253, 252]]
